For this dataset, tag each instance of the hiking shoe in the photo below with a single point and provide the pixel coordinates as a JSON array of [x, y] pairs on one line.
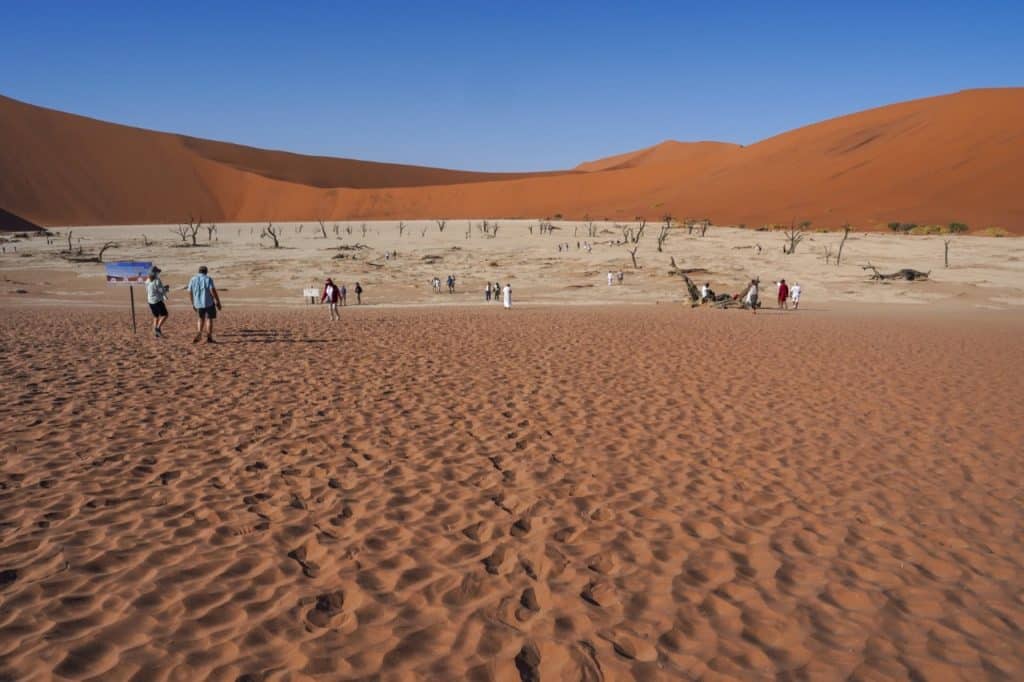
[[209, 339]]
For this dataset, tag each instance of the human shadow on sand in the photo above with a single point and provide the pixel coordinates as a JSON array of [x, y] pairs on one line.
[[267, 336]]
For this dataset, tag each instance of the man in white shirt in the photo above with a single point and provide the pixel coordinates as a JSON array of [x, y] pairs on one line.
[[794, 293], [751, 298]]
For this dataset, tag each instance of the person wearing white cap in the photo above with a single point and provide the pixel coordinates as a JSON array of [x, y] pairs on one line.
[[156, 293]]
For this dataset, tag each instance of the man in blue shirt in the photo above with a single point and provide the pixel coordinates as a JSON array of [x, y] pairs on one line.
[[205, 301]]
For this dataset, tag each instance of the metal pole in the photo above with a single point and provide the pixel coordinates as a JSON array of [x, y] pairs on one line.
[[131, 295]]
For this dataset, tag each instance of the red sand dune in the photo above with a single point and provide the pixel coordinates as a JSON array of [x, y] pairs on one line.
[[934, 160]]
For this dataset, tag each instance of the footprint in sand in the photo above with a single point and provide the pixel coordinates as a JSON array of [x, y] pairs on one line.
[[501, 561]]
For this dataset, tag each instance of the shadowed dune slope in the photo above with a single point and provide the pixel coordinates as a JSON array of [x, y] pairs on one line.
[[669, 151], [932, 160], [13, 223]]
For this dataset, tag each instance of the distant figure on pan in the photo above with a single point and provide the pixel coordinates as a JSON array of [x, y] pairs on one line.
[[783, 298], [205, 302], [794, 295], [497, 291], [359, 293], [332, 296], [507, 295], [751, 298], [487, 292], [156, 292]]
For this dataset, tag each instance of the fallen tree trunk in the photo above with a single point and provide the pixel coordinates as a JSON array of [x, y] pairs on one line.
[[907, 274]]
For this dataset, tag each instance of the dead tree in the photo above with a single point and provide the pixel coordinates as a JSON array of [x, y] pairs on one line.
[[193, 229], [180, 230], [705, 223], [401, 228], [494, 229], [689, 224], [906, 273], [272, 232], [107, 245], [663, 232], [794, 236], [423, 232], [211, 230], [145, 239], [591, 227], [827, 252], [364, 230], [846, 233], [323, 229], [945, 243], [69, 240], [441, 224], [632, 254], [640, 230]]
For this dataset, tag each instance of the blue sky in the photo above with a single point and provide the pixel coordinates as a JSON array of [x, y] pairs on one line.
[[496, 86]]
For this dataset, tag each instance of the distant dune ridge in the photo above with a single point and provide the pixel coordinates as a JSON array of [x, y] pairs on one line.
[[948, 158]]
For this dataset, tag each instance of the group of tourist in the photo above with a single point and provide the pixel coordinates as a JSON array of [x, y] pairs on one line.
[[495, 291], [335, 295], [750, 297], [435, 284], [205, 301]]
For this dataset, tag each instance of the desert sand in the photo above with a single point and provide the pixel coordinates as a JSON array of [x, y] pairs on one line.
[[436, 488], [603, 492], [936, 160]]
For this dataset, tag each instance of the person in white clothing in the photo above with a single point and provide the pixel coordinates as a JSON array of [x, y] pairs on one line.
[[156, 294], [751, 298], [794, 294], [507, 294], [705, 292], [611, 278]]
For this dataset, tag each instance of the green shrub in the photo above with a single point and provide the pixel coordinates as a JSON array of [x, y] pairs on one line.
[[902, 227], [994, 232], [957, 228], [927, 229]]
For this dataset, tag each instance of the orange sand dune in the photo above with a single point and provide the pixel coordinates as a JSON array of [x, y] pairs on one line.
[[669, 151], [934, 160]]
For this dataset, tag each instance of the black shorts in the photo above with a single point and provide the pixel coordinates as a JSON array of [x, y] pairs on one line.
[[207, 313], [159, 309]]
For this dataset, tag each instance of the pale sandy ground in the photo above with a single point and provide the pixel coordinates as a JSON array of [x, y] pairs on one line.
[[553, 492], [983, 272]]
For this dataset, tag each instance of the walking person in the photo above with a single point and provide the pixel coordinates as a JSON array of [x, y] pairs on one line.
[[497, 291], [343, 291], [332, 295], [206, 303], [487, 292], [451, 284], [794, 294], [507, 293], [783, 294], [359, 293], [751, 297], [611, 278], [156, 295]]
